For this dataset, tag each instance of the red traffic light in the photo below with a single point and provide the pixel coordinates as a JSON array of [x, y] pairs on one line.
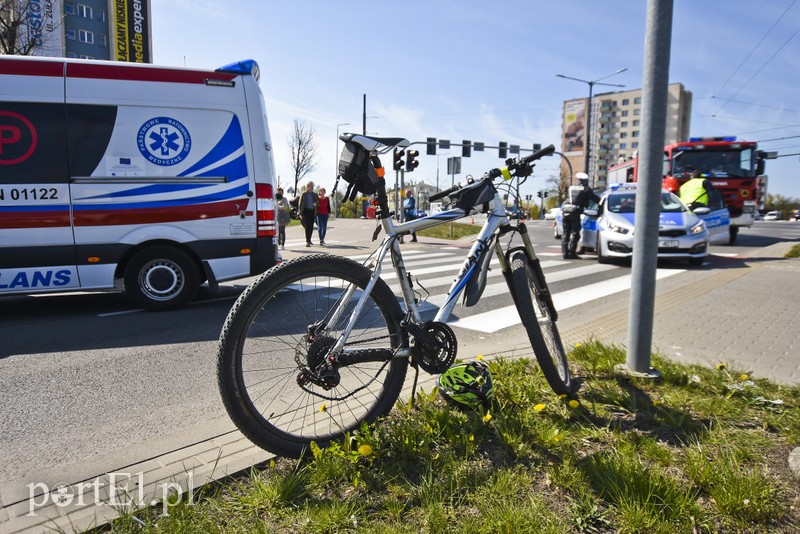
[[411, 161], [398, 159]]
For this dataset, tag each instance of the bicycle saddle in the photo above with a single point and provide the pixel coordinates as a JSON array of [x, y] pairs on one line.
[[375, 144]]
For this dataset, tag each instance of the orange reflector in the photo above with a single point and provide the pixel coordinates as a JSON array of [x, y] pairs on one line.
[[93, 259], [245, 251], [745, 193]]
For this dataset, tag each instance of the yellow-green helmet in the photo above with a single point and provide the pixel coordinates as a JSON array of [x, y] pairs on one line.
[[468, 384]]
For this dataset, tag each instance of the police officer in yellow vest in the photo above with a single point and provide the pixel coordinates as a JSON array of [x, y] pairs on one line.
[[694, 193]]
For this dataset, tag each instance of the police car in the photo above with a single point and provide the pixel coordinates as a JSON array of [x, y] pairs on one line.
[[682, 234]]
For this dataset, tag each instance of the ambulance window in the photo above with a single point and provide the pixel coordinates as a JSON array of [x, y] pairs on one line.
[[34, 147]]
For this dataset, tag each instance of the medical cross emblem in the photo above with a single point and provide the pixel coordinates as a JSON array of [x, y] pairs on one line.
[[164, 141]]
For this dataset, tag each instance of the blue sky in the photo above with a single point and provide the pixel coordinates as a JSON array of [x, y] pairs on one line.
[[485, 71]]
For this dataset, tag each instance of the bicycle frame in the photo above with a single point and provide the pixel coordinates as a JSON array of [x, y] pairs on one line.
[[496, 218]]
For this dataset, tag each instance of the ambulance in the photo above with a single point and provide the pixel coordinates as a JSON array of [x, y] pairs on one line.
[[117, 176]]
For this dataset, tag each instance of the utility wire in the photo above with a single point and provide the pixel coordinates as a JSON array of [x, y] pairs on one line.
[[755, 47], [760, 69]]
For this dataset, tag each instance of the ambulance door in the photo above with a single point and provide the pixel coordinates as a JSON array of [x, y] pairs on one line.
[[37, 250]]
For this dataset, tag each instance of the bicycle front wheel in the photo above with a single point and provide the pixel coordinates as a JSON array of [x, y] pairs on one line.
[[279, 333], [540, 325]]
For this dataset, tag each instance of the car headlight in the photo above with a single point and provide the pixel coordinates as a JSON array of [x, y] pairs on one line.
[[698, 228], [618, 229]]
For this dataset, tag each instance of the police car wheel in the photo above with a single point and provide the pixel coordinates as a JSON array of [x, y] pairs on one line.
[[600, 257], [161, 278]]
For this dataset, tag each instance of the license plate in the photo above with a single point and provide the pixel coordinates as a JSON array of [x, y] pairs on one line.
[[670, 243]]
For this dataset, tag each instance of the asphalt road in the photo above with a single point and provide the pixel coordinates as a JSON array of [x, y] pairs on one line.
[[90, 379]]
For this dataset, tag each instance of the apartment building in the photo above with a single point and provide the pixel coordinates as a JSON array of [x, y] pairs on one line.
[[117, 30], [616, 125]]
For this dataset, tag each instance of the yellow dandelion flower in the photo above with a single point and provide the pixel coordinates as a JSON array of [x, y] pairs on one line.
[[577, 345], [744, 376], [365, 450], [721, 366], [272, 464], [562, 396], [574, 404], [479, 357], [558, 436], [538, 407], [323, 407], [657, 402], [487, 418], [471, 437]]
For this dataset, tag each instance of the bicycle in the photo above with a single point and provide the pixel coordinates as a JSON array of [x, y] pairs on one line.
[[319, 344]]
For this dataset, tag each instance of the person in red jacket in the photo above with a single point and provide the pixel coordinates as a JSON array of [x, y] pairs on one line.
[[323, 212]]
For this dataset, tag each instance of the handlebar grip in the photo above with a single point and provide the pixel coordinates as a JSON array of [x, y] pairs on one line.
[[436, 196], [539, 154]]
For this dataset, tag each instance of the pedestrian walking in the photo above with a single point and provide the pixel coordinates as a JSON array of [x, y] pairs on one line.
[[578, 199], [284, 216], [307, 206], [323, 212], [410, 210]]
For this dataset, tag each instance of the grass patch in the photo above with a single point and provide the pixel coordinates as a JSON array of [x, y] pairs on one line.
[[794, 252], [700, 450], [443, 231]]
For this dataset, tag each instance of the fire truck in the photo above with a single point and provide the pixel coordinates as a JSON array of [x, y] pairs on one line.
[[735, 168]]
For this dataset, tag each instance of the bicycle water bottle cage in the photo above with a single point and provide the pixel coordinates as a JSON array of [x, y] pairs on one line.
[[476, 195]]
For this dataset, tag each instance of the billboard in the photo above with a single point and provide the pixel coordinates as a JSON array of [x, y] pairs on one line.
[[40, 28], [130, 28], [574, 127]]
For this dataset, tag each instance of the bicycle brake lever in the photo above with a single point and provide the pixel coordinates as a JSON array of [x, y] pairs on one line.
[[376, 232]]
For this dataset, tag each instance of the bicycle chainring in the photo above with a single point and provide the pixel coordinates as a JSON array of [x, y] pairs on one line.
[[437, 361]]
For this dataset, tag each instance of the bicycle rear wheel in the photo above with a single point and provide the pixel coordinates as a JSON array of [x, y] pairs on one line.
[[273, 339], [540, 325]]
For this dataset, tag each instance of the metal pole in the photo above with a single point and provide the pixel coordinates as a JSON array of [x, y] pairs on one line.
[[589, 135], [364, 116], [648, 197], [336, 167]]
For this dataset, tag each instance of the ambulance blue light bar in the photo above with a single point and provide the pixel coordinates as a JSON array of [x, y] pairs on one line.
[[246, 66]]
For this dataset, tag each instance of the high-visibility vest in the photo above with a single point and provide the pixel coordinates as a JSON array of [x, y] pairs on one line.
[[693, 191]]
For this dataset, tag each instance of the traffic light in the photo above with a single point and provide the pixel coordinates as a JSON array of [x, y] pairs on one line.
[[431, 146], [411, 161], [502, 149], [539, 194], [537, 147], [398, 159], [466, 148]]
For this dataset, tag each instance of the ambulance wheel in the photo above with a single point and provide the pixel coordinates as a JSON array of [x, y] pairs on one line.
[[734, 231], [161, 278]]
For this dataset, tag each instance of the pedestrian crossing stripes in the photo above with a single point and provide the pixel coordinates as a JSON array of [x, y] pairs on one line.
[[434, 272]]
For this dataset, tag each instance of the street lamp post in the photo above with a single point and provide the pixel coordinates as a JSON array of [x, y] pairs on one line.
[[336, 165], [591, 84]]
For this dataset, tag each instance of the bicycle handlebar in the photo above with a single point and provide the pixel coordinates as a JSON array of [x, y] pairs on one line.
[[515, 168], [441, 194], [539, 154]]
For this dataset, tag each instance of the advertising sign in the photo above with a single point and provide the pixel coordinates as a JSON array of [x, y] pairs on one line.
[[574, 127], [40, 30], [131, 31]]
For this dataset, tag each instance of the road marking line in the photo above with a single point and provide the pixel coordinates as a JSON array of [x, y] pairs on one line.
[[508, 316]]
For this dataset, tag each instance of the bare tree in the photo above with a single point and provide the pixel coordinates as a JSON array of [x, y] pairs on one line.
[[25, 25], [303, 149]]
